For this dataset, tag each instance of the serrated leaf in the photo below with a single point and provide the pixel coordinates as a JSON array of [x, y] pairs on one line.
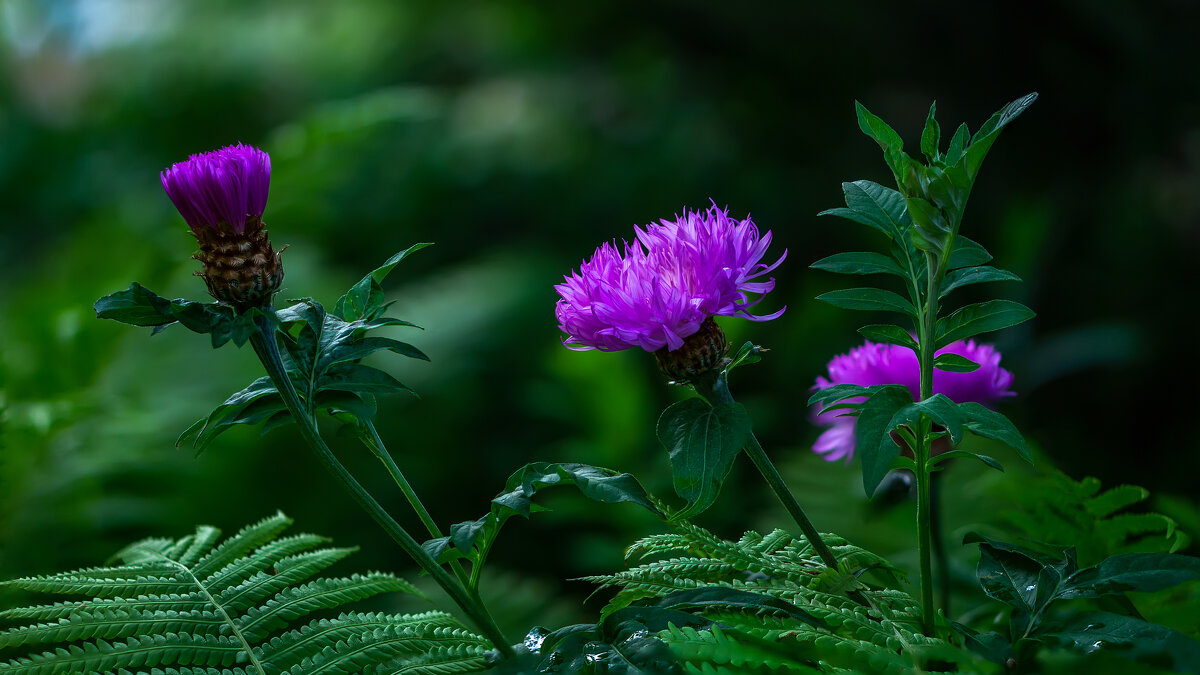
[[982, 421], [873, 442], [888, 334], [958, 278], [139, 306], [954, 363], [702, 441], [859, 263], [869, 299], [981, 317]]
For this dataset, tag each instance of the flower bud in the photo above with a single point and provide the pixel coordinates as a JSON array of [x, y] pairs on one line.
[[222, 195], [701, 352]]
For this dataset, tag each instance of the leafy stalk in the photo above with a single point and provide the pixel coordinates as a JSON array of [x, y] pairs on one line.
[[715, 389], [267, 349]]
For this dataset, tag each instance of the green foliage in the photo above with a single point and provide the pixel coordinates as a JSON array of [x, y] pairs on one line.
[[1031, 584], [702, 441], [139, 306], [322, 353], [196, 605], [1059, 512], [473, 539], [829, 619]]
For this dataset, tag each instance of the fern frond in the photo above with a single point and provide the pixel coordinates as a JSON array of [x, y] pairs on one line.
[[194, 606]]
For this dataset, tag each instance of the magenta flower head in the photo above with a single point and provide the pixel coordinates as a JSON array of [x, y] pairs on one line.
[[873, 364], [222, 195], [666, 286]]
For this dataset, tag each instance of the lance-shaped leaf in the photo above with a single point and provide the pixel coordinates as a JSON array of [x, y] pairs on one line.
[[958, 278], [1127, 637], [869, 299], [873, 205], [988, 423], [954, 363], [1143, 572], [860, 262], [981, 317], [365, 300], [967, 253], [931, 136], [982, 142], [888, 334]]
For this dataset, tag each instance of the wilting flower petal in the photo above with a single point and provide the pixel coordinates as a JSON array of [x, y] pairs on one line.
[[659, 289], [873, 364]]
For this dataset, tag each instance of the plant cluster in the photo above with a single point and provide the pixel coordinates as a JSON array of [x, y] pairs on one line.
[[1052, 588]]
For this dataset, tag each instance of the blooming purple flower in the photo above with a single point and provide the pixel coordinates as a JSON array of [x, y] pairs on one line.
[[659, 289], [223, 186], [873, 364]]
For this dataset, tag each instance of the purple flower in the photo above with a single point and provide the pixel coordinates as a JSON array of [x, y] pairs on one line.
[[873, 364], [223, 186], [659, 289]]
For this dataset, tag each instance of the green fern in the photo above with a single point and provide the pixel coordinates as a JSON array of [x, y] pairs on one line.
[[195, 606], [851, 626], [1059, 512]]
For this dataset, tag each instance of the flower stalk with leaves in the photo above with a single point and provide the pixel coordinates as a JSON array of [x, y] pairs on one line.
[[660, 294], [922, 220]]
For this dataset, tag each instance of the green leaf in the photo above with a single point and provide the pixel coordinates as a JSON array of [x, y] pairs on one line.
[[1022, 582], [872, 433], [473, 538], [981, 317], [877, 129], [747, 354], [364, 300], [838, 392], [1142, 572], [888, 334], [990, 424], [713, 597], [967, 253], [703, 441], [958, 145], [958, 278], [869, 299], [931, 136], [138, 306], [931, 229], [859, 263], [944, 412], [1129, 638], [964, 454], [954, 363], [873, 205], [982, 142]]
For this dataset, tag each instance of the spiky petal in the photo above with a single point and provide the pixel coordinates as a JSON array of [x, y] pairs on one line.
[[662, 287]]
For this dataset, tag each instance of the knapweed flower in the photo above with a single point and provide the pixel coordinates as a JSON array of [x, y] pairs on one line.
[[221, 195], [666, 286], [873, 364]]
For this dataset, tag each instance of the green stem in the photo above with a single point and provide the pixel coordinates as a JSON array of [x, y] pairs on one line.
[[376, 446], [716, 391], [941, 562], [267, 349], [926, 331]]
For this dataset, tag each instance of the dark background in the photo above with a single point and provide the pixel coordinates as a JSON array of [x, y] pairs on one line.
[[518, 136]]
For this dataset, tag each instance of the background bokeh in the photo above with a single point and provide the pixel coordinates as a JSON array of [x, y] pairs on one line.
[[518, 136]]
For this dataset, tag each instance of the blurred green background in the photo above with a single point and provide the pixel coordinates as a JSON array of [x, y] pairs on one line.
[[518, 136]]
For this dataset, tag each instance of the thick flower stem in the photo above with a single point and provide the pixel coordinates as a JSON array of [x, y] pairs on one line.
[[716, 391], [267, 349]]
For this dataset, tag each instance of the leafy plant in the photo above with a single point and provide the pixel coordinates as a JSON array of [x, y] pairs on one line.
[[196, 605], [1033, 585], [771, 603]]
